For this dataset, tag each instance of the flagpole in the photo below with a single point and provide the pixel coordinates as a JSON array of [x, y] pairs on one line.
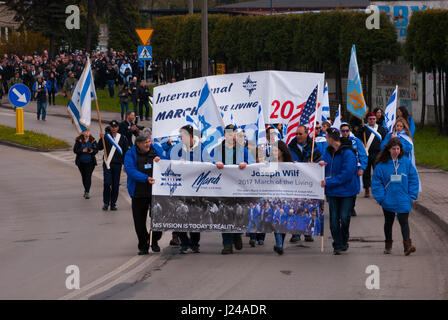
[[314, 126], [101, 129], [364, 133]]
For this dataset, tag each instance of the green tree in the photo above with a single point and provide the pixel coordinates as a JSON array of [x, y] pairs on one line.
[[425, 48], [44, 16], [123, 19]]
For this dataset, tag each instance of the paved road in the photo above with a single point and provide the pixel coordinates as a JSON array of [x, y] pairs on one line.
[[303, 272], [46, 225]]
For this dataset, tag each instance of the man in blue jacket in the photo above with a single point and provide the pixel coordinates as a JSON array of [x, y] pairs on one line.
[[360, 153], [138, 164], [341, 186]]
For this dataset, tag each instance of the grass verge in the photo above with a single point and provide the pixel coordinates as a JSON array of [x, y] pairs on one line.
[[430, 148], [31, 139]]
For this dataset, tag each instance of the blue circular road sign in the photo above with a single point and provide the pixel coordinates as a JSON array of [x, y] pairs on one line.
[[19, 95]]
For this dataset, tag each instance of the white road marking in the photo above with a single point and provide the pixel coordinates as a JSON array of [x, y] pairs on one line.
[[68, 158]]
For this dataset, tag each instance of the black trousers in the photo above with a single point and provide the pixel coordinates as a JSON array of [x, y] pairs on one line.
[[367, 176], [193, 241], [389, 218], [111, 183], [140, 207], [86, 170], [51, 95], [140, 109]]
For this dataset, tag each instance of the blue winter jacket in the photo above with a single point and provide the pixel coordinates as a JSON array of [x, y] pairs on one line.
[[51, 84], [395, 196], [131, 168], [340, 171]]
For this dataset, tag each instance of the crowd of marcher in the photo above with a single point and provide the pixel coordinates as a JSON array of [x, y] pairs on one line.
[[369, 158], [45, 77]]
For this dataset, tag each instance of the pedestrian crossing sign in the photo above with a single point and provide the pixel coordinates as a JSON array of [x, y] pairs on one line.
[[144, 52]]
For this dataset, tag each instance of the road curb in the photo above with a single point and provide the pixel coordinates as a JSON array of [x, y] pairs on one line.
[[431, 215], [67, 116], [21, 146]]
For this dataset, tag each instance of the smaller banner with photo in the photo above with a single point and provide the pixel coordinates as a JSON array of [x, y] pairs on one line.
[[195, 196]]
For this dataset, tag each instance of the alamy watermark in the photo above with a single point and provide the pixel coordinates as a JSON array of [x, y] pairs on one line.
[[73, 280], [373, 280], [373, 20], [72, 21]]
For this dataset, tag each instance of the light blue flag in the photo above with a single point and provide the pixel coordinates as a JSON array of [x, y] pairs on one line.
[[356, 104]]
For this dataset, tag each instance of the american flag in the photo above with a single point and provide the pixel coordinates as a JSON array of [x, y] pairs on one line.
[[305, 116]]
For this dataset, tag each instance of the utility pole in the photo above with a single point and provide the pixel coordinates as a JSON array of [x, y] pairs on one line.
[[204, 10]]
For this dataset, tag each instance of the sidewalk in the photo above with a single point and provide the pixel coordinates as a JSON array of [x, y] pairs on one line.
[[61, 111], [433, 201]]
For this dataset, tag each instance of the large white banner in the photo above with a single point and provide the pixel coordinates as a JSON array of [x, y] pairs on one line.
[[201, 179], [238, 96]]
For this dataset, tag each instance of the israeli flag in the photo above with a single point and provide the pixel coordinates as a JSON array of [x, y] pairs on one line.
[[261, 128], [390, 114], [356, 104], [325, 108], [337, 120], [79, 106], [210, 122]]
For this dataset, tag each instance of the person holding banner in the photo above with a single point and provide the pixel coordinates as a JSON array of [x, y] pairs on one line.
[[374, 135], [280, 153], [360, 153], [395, 186], [341, 186], [227, 153], [138, 164], [86, 148], [116, 147], [301, 148], [188, 149]]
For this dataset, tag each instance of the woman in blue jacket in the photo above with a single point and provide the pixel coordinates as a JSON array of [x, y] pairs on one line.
[[341, 186], [395, 186]]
